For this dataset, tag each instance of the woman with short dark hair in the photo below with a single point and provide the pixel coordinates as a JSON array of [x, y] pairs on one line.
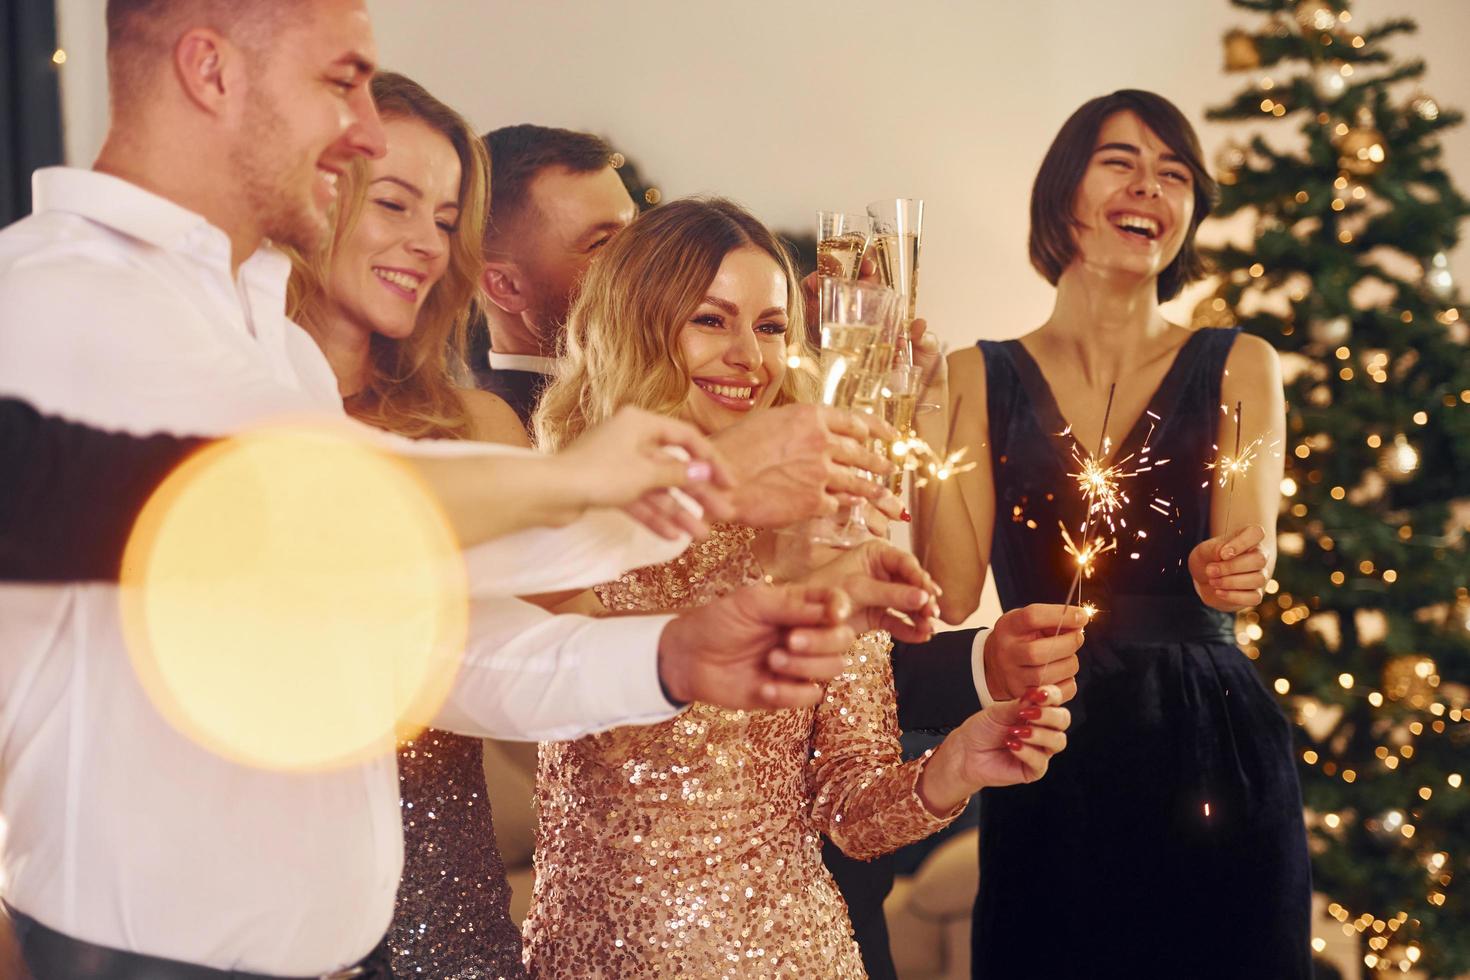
[[1168, 841]]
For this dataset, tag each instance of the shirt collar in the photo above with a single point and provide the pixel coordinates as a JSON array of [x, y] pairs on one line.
[[522, 362], [138, 213], [111, 201]]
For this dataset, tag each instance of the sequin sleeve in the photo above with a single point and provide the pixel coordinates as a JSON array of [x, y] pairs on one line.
[[864, 796]]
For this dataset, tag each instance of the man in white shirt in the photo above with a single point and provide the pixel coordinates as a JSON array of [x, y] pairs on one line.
[[140, 298]]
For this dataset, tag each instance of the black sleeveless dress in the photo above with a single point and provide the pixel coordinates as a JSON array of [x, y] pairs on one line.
[[1167, 841]]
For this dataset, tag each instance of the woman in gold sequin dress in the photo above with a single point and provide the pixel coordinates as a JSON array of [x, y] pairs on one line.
[[387, 302], [692, 847]]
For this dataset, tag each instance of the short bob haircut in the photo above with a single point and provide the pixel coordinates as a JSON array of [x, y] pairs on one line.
[[1053, 244]]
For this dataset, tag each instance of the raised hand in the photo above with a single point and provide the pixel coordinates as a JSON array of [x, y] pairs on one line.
[[1024, 650], [758, 647], [1229, 571], [792, 463], [889, 590], [633, 461], [1007, 743]]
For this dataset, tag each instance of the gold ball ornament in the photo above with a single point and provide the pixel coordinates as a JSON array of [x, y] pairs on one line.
[[1424, 107], [1438, 278], [1330, 81], [652, 196], [1410, 678], [1232, 157], [616, 161], [1399, 460], [1316, 15], [1361, 151], [1460, 614], [1212, 311], [1241, 51], [1331, 333]]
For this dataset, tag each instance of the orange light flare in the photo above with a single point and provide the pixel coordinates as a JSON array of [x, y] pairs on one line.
[[294, 599]]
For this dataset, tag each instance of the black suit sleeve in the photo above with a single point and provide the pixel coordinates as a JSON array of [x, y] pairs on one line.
[[69, 494], [934, 681]]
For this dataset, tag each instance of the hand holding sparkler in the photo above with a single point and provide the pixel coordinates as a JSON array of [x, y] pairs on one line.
[[1229, 571], [1034, 645]]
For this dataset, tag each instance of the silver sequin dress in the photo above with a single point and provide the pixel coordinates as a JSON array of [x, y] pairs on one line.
[[692, 848], [452, 917]]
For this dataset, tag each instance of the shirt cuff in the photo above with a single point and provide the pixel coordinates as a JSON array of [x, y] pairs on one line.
[[977, 666], [628, 676]]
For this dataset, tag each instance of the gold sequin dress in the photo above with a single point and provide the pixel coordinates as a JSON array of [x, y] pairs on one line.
[[692, 848]]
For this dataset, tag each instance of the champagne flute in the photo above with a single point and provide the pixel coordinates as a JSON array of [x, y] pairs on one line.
[[842, 239], [897, 240], [901, 397], [858, 322]]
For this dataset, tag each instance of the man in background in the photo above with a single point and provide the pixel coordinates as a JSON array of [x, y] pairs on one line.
[[556, 200]]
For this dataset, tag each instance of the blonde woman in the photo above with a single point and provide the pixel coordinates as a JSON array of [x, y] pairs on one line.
[[388, 301], [692, 848]]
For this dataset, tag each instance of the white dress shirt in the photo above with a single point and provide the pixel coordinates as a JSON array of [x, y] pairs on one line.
[[118, 309], [533, 363]]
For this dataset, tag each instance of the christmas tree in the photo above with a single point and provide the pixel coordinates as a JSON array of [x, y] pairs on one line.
[[1365, 631]]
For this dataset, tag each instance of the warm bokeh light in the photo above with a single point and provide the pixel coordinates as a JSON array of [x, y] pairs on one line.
[[292, 597]]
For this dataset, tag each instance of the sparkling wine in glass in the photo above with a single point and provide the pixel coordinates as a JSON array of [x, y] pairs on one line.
[[897, 242], [858, 323], [841, 240], [900, 402]]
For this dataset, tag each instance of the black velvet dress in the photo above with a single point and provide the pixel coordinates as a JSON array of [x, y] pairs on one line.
[[1167, 841]]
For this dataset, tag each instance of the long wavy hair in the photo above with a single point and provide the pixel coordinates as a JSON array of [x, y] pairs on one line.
[[621, 347], [411, 387]]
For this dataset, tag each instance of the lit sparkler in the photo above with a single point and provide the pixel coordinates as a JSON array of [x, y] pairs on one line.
[[1099, 486], [1085, 555], [1228, 467]]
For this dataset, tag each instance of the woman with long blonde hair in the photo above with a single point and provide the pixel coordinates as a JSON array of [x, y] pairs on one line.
[[388, 300], [390, 297], [692, 847]]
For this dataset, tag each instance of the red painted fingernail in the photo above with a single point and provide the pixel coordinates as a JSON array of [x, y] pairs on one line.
[[1022, 732], [1013, 745], [1029, 713], [904, 516], [1035, 695]]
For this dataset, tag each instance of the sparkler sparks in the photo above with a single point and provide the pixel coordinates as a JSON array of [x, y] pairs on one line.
[[927, 464], [1086, 554], [1228, 467]]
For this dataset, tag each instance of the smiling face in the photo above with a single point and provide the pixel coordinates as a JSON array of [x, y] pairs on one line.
[[307, 112], [383, 270], [734, 344], [1135, 202]]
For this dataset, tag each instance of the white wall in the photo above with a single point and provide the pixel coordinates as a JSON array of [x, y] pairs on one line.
[[792, 105]]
